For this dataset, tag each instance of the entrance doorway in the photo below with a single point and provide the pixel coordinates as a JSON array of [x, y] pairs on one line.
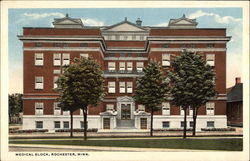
[[125, 111]]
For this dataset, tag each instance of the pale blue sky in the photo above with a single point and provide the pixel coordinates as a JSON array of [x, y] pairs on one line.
[[230, 18]]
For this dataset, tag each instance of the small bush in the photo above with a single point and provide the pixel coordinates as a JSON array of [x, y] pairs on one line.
[[217, 129], [76, 130], [29, 131], [172, 129]]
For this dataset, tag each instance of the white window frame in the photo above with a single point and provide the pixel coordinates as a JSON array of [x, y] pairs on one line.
[[54, 82], [39, 59], [129, 87], [168, 124], [111, 87], [37, 124], [122, 66], [57, 59], [129, 66], [139, 66], [55, 124], [210, 107], [210, 59], [57, 109], [165, 108], [64, 124], [39, 82], [56, 71], [122, 87], [39, 106], [211, 122], [84, 55], [110, 107], [65, 59], [111, 66], [166, 59]]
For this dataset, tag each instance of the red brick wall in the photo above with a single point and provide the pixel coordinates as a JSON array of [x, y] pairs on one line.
[[187, 32]]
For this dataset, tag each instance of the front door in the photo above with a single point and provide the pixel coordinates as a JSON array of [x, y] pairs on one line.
[[125, 111]]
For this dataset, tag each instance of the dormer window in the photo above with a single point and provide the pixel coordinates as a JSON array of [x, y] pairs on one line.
[[165, 45], [210, 45], [83, 44], [38, 44]]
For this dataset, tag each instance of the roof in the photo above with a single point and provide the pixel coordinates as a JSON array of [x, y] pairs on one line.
[[236, 93]]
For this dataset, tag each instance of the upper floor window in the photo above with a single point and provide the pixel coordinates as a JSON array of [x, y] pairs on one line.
[[111, 87], [38, 82], [133, 37], [129, 66], [122, 87], [39, 59], [210, 108], [54, 81], [141, 108], [182, 110], [183, 45], [141, 37], [56, 71], [39, 108], [190, 111], [65, 112], [84, 55], [139, 66], [109, 107], [66, 59], [210, 59], [165, 59], [65, 45], [125, 37], [111, 66], [83, 44], [122, 66], [57, 109], [38, 44], [165, 45], [192, 45], [56, 44], [109, 37], [57, 59], [165, 108], [129, 87], [117, 37], [210, 45]]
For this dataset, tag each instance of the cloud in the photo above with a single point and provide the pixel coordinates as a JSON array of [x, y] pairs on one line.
[[164, 24], [92, 22], [36, 16], [217, 17]]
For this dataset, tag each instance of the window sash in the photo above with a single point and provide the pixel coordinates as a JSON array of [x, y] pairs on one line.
[[210, 108], [210, 58], [122, 66], [65, 124], [57, 109], [182, 111], [65, 112], [122, 87], [84, 55], [111, 66], [165, 124], [39, 59], [129, 66], [139, 66], [39, 108], [165, 59], [57, 124], [129, 87], [141, 107], [66, 59], [39, 124], [57, 59], [38, 82], [210, 123], [109, 107], [55, 80], [165, 108], [111, 87]]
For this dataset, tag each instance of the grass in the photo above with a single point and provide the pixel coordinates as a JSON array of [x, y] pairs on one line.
[[229, 144]]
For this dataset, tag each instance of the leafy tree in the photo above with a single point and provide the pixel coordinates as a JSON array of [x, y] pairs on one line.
[[191, 83], [81, 85], [15, 105], [151, 89]]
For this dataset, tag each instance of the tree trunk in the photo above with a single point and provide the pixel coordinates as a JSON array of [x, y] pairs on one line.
[[71, 124], [195, 111], [85, 122], [151, 122], [185, 123]]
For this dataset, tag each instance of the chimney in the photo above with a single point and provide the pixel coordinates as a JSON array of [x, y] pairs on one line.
[[237, 80], [138, 22]]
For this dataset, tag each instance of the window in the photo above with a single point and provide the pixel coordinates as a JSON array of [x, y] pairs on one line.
[[39, 108], [109, 37], [38, 44], [183, 45], [106, 123], [129, 87], [141, 37], [122, 87], [165, 59], [210, 123], [65, 45], [165, 108], [82, 124], [57, 59], [182, 110], [38, 82], [143, 123], [165, 124], [133, 37], [56, 71], [193, 46], [141, 108], [191, 124], [182, 123], [66, 59], [210, 45], [55, 80], [190, 111], [210, 108], [65, 112], [111, 66], [139, 66], [56, 44], [83, 44], [125, 37], [165, 45], [84, 55], [129, 66], [210, 59], [57, 109], [57, 124], [109, 107], [65, 124], [117, 37], [122, 66], [39, 59], [39, 124], [111, 87]]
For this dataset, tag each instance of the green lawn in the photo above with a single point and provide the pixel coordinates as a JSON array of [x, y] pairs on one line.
[[231, 144]]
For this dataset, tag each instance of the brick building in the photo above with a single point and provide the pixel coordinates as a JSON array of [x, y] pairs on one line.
[[122, 50]]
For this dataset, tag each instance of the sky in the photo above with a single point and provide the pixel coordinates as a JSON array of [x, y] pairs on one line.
[[229, 18]]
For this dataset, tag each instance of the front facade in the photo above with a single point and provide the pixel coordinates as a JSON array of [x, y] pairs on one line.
[[122, 50]]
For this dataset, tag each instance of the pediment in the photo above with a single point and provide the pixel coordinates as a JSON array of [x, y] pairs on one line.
[[125, 99], [125, 26], [67, 21], [184, 22]]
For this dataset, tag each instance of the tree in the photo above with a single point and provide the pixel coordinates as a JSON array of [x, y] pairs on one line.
[[15, 105], [151, 89], [80, 86], [191, 83]]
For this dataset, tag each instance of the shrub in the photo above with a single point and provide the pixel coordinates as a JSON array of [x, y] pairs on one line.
[[217, 129], [29, 131], [76, 130], [172, 129]]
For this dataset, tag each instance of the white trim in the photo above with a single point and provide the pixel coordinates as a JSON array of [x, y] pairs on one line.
[[38, 98], [62, 49], [191, 49], [126, 58], [187, 42], [54, 37], [186, 38]]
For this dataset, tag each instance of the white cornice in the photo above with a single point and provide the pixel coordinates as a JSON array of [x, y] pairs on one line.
[[126, 58], [186, 42], [53, 37], [189, 49], [186, 38]]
